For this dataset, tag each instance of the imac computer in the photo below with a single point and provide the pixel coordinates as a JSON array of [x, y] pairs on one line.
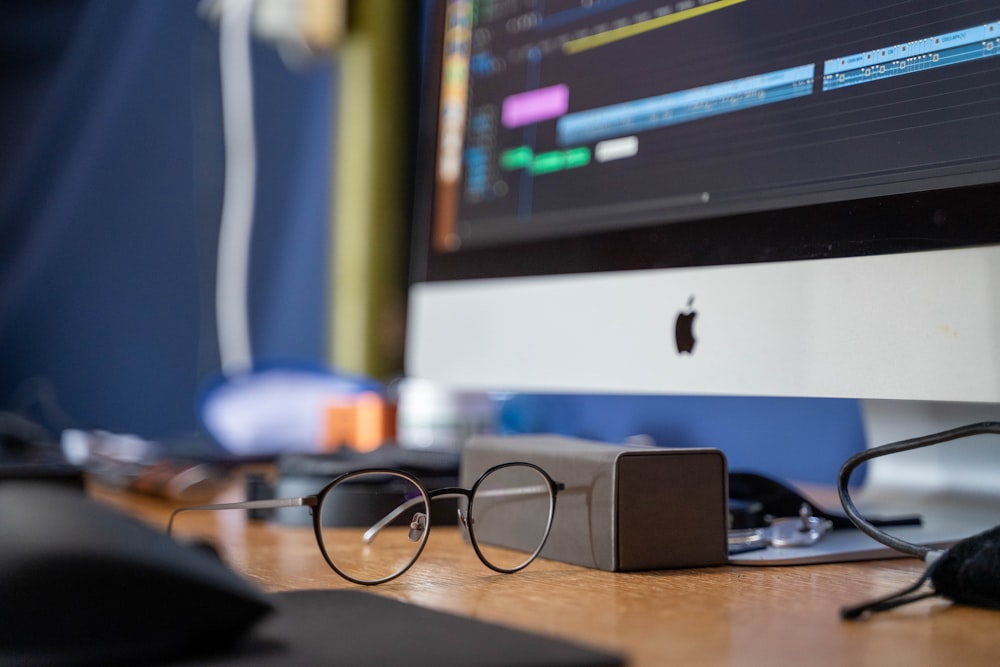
[[718, 197]]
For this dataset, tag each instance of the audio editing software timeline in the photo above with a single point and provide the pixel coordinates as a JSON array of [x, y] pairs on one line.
[[554, 114]]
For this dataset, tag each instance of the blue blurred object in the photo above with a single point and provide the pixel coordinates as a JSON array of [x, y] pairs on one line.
[[275, 408]]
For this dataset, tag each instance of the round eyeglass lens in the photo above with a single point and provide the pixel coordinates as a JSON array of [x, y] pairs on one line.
[[510, 515], [373, 525]]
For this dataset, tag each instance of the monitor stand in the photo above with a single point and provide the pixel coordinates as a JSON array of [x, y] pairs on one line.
[[954, 486]]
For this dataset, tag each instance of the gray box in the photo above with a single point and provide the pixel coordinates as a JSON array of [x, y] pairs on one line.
[[624, 507]]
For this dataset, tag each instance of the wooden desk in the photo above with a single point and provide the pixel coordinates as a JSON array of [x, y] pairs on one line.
[[733, 615]]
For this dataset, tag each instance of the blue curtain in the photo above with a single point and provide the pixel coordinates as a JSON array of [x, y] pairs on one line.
[[110, 194]]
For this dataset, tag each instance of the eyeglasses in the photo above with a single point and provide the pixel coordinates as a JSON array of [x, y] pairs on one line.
[[371, 525]]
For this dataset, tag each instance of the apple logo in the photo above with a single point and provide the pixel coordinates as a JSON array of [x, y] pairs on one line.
[[684, 328]]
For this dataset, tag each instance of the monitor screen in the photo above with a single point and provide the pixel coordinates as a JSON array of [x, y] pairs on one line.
[[730, 197]]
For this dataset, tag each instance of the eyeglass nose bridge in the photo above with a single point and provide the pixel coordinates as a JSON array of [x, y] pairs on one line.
[[464, 520], [418, 523]]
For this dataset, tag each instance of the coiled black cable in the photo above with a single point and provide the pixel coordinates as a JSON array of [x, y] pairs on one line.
[[965, 573], [981, 428]]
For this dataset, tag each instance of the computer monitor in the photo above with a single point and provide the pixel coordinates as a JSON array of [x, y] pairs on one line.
[[712, 197]]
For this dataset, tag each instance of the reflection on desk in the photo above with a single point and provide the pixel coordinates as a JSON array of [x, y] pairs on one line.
[[728, 615]]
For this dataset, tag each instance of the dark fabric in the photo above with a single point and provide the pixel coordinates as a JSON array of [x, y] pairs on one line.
[[84, 584], [357, 628], [969, 572]]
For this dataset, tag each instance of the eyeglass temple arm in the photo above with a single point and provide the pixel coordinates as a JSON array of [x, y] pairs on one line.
[[405, 505], [274, 503], [449, 493]]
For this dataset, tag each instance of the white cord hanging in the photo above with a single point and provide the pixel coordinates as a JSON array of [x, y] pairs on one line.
[[232, 268]]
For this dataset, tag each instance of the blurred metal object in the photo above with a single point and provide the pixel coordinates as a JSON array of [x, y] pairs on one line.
[[800, 531], [143, 466], [181, 481]]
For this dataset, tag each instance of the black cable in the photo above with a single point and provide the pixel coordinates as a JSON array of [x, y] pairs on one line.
[[981, 428], [893, 600]]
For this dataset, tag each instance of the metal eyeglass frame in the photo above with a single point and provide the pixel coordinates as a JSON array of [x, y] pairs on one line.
[[314, 503]]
